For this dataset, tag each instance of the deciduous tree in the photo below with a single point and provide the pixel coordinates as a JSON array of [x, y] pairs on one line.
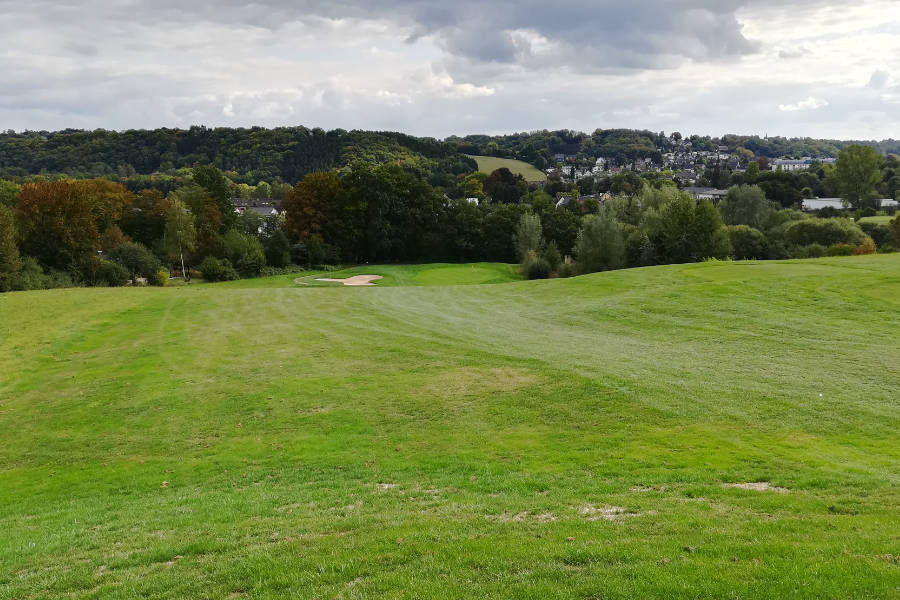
[[858, 174], [10, 263]]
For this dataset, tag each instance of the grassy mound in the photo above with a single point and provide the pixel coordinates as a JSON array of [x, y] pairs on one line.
[[707, 430], [489, 164]]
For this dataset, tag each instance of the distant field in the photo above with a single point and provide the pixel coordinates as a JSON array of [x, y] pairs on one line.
[[879, 219], [714, 430], [489, 164]]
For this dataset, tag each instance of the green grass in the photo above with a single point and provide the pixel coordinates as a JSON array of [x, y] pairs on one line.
[[412, 275], [549, 439], [489, 164], [878, 219]]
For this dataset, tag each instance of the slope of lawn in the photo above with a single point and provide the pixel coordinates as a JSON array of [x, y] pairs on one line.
[[880, 219], [489, 164], [720, 430]]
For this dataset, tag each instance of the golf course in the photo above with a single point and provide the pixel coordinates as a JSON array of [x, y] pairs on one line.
[[708, 430]]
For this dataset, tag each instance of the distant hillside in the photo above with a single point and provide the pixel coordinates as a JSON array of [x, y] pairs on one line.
[[489, 164], [255, 154], [540, 148]]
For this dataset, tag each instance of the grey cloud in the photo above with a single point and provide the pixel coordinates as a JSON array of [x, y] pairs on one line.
[[648, 34], [790, 53], [879, 79]]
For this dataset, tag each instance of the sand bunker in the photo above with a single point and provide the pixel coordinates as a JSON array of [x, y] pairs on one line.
[[356, 280]]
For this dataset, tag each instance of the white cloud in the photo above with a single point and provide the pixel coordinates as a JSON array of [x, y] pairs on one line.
[[808, 104]]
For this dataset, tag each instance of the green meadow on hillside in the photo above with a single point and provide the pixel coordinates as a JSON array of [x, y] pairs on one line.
[[715, 430], [881, 219], [489, 164]]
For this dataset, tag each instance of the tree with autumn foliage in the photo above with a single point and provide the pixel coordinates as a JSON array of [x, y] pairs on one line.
[[60, 223]]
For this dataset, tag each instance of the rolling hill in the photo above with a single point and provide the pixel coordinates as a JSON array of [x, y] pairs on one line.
[[489, 164], [689, 431]]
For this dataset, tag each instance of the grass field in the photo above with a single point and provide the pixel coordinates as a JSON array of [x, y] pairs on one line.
[[577, 438], [489, 164], [879, 219]]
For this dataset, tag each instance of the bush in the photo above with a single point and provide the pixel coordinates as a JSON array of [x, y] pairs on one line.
[[213, 269], [552, 256], [110, 274], [808, 251], [639, 250], [747, 242], [826, 232], [162, 278], [881, 233], [244, 252], [830, 212], [840, 250], [868, 212], [866, 247], [32, 277], [567, 270], [538, 269], [137, 260]]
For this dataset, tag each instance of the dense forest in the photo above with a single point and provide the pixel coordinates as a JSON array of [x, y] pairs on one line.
[[283, 154], [140, 159]]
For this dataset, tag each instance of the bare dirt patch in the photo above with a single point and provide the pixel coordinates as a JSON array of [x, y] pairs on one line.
[[522, 517], [757, 486], [356, 280], [605, 513], [469, 381]]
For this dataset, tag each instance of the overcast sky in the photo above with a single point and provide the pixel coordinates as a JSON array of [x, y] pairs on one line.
[[820, 68]]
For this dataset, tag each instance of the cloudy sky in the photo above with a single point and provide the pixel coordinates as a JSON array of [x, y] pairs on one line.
[[821, 68]]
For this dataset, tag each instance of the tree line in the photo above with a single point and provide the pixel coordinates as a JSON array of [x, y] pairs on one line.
[[250, 155], [623, 146], [98, 232]]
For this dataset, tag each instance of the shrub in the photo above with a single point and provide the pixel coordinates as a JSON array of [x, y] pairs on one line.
[[162, 278], [639, 250], [552, 256], [840, 250], [137, 260], [213, 269], [826, 232], [244, 252], [830, 212], [881, 233], [868, 212], [747, 242], [866, 247], [110, 274], [808, 251], [567, 270], [538, 269]]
